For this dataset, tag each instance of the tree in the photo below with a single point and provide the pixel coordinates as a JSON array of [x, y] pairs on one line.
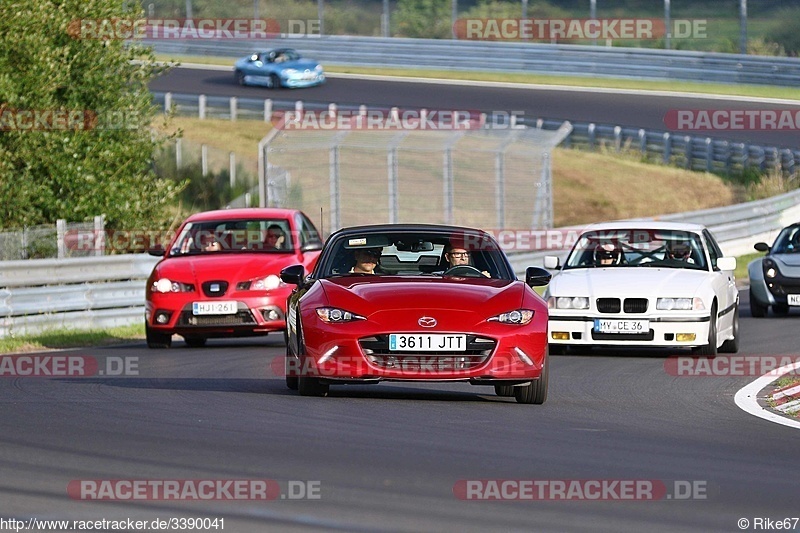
[[75, 116]]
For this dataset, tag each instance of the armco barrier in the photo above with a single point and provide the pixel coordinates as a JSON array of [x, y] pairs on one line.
[[485, 56], [41, 294], [694, 152]]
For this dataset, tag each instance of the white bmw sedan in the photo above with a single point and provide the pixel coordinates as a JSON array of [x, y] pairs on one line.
[[640, 284]]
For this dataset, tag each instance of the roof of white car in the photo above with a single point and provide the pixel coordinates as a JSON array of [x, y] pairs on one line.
[[646, 225]]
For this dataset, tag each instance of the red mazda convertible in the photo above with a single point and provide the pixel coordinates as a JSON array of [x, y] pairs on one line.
[[416, 303], [220, 275]]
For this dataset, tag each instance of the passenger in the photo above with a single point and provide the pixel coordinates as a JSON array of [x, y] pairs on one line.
[[367, 260]]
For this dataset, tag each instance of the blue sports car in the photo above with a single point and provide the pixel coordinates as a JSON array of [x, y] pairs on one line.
[[775, 278], [279, 67]]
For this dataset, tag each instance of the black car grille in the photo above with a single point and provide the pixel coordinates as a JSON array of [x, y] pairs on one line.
[[608, 305], [631, 305], [623, 336], [241, 318], [215, 289], [635, 305], [478, 350]]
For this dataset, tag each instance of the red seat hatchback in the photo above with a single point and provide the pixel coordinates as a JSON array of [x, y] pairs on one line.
[[219, 276]]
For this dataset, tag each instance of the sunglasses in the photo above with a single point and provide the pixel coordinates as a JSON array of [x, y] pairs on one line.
[[607, 255], [459, 254]]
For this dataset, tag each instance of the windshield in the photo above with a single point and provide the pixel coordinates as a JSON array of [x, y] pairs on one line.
[[226, 236], [788, 242], [625, 248], [414, 254]]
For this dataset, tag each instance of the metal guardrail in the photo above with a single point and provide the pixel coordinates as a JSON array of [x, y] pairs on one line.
[[96, 292], [576, 60], [109, 291], [693, 152]]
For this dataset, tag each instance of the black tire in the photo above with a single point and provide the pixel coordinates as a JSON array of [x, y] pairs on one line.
[[780, 309], [504, 390], [195, 342], [710, 349], [311, 386], [558, 349], [732, 345], [756, 309], [156, 340], [291, 381], [240, 77], [536, 392], [274, 81]]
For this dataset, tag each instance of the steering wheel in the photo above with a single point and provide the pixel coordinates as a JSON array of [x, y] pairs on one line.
[[465, 271]]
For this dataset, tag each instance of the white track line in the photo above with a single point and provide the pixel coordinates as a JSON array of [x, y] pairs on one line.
[[747, 397]]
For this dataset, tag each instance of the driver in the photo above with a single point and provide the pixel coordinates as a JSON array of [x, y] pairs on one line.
[[367, 260], [606, 255], [680, 251], [457, 255]]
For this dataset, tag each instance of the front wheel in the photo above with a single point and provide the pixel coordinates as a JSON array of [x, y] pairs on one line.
[[195, 342], [756, 309], [274, 81], [156, 340], [732, 345], [504, 390], [710, 349], [536, 392], [240, 78], [312, 387]]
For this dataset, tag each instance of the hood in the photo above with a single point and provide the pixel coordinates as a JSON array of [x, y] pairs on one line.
[[300, 64], [230, 267], [398, 303], [622, 282], [789, 264]]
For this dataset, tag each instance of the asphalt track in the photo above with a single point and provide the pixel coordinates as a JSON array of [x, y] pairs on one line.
[[387, 457], [639, 110]]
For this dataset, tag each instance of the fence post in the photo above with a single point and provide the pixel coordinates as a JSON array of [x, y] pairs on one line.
[[500, 190], [709, 154], [667, 148], [643, 141], [24, 253], [591, 133], [333, 177], [167, 102], [391, 163], [61, 229], [267, 110], [233, 106], [178, 152], [232, 168], [99, 235], [687, 150], [617, 138], [447, 175], [204, 159], [201, 106]]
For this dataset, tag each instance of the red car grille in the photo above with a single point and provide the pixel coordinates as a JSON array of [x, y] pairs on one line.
[[376, 349], [242, 318]]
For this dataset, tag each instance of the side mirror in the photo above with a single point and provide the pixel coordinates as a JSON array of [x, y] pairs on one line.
[[157, 251], [311, 247], [293, 275], [536, 277], [551, 262], [761, 247], [726, 263]]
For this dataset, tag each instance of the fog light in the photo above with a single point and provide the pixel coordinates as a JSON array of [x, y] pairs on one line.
[[560, 335], [162, 317], [685, 337], [271, 314]]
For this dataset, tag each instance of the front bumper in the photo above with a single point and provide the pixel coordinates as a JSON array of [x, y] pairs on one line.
[[664, 331], [298, 82]]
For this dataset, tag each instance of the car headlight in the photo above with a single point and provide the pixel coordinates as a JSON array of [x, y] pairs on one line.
[[165, 285], [318, 69], [334, 315], [680, 304], [518, 317], [261, 284], [568, 302], [770, 269]]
